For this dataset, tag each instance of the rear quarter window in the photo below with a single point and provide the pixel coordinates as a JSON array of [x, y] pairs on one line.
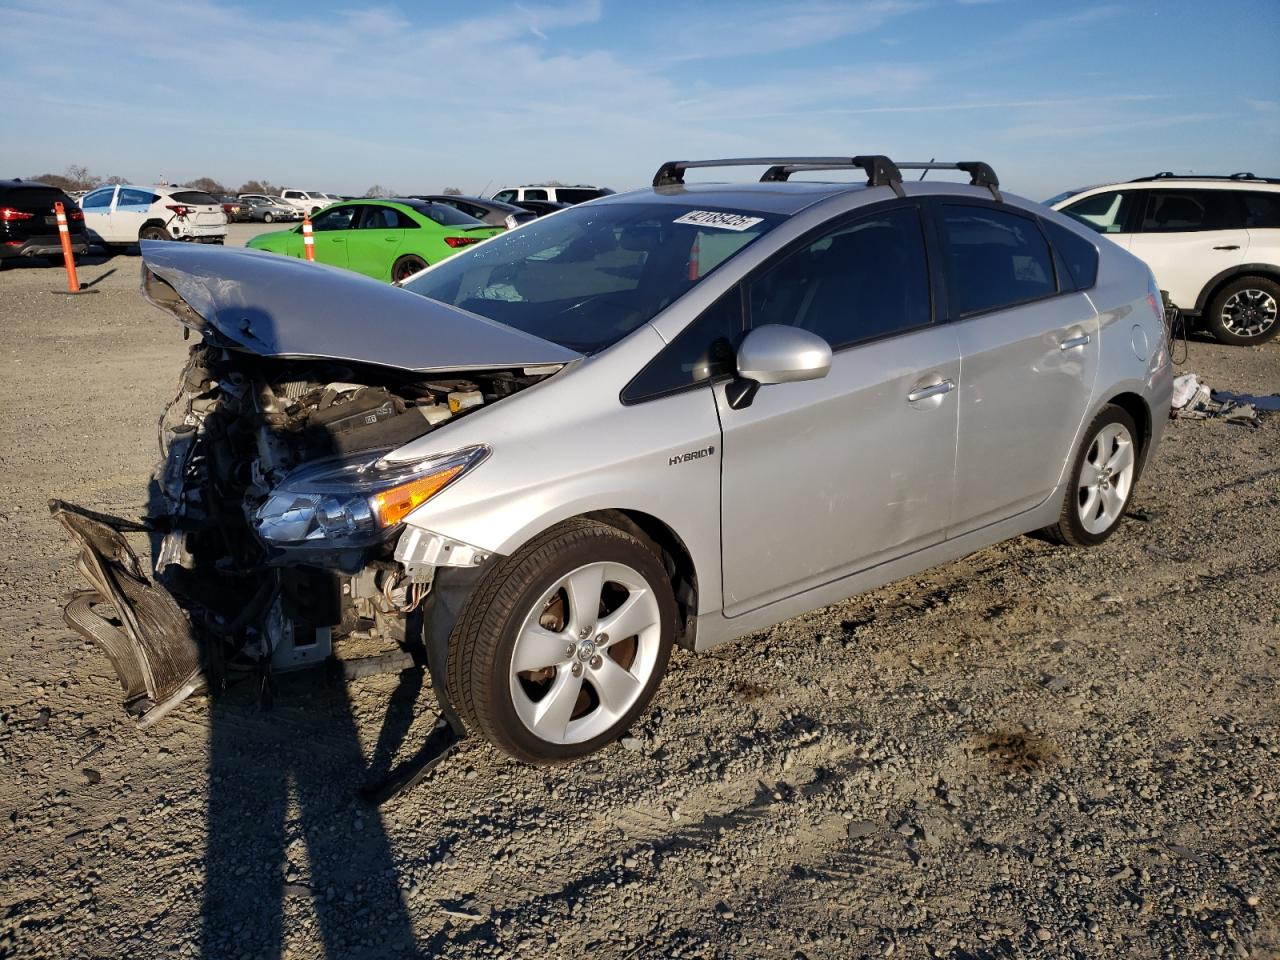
[[1076, 254]]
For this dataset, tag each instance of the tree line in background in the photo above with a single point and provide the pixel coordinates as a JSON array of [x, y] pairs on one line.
[[76, 178]]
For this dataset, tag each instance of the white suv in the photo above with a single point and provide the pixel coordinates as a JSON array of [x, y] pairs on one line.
[[120, 215], [308, 201], [1212, 242], [556, 193]]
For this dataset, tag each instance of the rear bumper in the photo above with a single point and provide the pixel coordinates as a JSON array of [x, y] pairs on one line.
[[43, 247]]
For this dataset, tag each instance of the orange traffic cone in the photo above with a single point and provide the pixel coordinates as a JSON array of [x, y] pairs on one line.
[[308, 241]]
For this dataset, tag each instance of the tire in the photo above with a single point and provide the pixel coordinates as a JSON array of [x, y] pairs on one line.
[[1245, 312], [267, 218], [525, 607], [1102, 479], [406, 266], [153, 232]]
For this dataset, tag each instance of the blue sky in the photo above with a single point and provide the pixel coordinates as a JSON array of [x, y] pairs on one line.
[[419, 96]]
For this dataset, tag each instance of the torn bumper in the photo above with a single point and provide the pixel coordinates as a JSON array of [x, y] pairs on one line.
[[136, 622]]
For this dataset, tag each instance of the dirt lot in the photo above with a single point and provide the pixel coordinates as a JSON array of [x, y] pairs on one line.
[[1031, 752]]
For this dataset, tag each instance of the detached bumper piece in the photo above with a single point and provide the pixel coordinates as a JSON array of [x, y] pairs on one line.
[[134, 621]]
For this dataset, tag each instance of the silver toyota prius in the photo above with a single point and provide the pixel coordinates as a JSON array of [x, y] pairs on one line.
[[673, 416]]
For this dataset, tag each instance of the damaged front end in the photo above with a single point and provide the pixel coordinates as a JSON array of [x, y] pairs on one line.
[[276, 508]]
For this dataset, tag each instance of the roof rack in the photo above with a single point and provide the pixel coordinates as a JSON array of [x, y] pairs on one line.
[[881, 171], [1170, 175]]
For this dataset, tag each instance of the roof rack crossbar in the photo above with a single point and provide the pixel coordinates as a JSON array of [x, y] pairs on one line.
[[980, 174], [880, 170]]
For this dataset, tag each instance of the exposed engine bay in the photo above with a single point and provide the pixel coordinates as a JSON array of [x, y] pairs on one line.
[[273, 516]]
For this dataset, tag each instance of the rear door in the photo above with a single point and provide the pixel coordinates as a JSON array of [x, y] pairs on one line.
[[1029, 347], [332, 230], [1188, 235], [132, 209], [826, 477], [376, 240]]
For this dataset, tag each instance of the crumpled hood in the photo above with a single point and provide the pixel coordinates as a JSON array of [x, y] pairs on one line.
[[277, 306]]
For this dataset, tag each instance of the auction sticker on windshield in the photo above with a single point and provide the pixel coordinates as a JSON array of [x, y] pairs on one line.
[[718, 219]]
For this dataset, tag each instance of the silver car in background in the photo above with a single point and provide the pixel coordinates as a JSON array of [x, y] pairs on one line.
[[674, 416]]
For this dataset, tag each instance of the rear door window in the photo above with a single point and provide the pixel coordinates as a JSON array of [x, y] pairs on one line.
[[535, 194], [136, 198], [1189, 211], [1104, 212], [862, 280], [1262, 210], [996, 259]]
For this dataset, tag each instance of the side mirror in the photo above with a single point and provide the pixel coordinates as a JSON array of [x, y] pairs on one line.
[[775, 353]]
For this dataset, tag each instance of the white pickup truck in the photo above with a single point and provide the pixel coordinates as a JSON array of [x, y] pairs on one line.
[[308, 201]]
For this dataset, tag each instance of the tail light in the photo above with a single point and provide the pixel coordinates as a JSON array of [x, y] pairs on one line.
[[180, 210], [456, 242], [9, 215]]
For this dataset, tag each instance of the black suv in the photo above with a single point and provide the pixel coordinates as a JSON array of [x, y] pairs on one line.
[[29, 224]]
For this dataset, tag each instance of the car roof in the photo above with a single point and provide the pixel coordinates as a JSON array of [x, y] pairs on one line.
[[1171, 181], [478, 201], [9, 184]]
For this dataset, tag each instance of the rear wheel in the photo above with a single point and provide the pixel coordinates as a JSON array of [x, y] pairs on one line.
[[1244, 312], [1101, 481], [154, 232], [563, 643], [406, 267]]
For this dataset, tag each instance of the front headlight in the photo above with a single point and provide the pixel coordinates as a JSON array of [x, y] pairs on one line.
[[355, 501]]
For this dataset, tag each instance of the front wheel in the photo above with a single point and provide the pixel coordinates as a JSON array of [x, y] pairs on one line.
[[563, 643], [1244, 312], [1101, 481], [267, 218], [406, 267]]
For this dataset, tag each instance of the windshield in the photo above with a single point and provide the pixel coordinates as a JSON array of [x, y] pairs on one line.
[[1059, 197], [588, 276]]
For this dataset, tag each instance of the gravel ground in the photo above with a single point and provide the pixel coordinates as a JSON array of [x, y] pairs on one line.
[[1031, 752]]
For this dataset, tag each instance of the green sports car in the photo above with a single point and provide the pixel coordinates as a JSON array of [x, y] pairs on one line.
[[385, 239]]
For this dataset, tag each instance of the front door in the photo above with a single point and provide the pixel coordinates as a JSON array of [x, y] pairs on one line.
[[1029, 357], [823, 478], [1188, 236], [373, 246], [331, 231]]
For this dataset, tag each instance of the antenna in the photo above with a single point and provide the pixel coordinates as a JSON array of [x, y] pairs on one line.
[[925, 173]]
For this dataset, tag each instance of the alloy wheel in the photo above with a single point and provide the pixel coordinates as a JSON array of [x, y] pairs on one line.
[[1106, 478], [1249, 313], [585, 653]]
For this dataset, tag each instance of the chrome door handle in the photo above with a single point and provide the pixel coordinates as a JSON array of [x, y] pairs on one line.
[[1073, 342], [1229, 246], [933, 390]]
